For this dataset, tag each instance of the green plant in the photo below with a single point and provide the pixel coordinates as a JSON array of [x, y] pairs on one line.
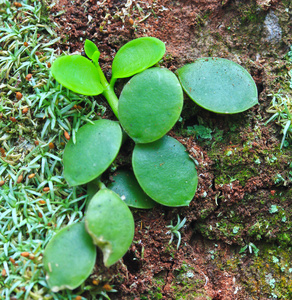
[[281, 108], [174, 230], [148, 107], [251, 247]]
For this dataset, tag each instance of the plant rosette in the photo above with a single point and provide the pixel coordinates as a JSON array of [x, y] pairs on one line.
[[149, 106]]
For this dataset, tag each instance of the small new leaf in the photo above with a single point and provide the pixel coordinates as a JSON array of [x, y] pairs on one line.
[[95, 56], [136, 56], [90, 48]]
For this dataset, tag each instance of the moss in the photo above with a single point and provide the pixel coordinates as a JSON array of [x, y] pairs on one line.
[[158, 283], [243, 176], [269, 274], [204, 213], [252, 14], [273, 269], [268, 221], [188, 284], [274, 226], [243, 161]]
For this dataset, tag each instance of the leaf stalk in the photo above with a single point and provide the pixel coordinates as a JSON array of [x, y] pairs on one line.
[[108, 91]]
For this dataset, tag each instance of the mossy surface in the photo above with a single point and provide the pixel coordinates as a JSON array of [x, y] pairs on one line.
[[268, 274]]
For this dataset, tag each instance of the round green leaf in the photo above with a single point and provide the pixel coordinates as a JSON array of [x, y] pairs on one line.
[[127, 187], [110, 223], [96, 148], [69, 257], [165, 172], [150, 104], [137, 56], [219, 85], [78, 74]]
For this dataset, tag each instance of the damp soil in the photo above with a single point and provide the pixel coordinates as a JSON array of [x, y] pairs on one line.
[[243, 201]]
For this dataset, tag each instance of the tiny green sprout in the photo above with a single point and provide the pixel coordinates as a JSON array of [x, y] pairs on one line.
[[251, 247], [281, 108], [174, 230]]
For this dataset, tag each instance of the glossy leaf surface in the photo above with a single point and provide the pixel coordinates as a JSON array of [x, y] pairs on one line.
[[137, 56], [127, 187], [219, 85], [165, 171], [90, 48], [150, 104], [78, 74], [110, 223], [96, 148], [69, 257]]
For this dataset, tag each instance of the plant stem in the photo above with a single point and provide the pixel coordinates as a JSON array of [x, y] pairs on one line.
[[108, 92], [101, 185], [112, 99], [112, 82]]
